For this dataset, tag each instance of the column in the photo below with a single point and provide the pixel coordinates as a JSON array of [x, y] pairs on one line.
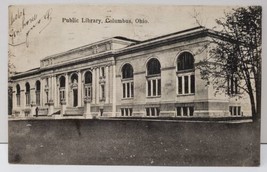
[[22, 101], [82, 90], [41, 92], [33, 102], [97, 86], [67, 89], [94, 86], [51, 94], [53, 86], [56, 89], [114, 92], [107, 85], [14, 98], [79, 89]]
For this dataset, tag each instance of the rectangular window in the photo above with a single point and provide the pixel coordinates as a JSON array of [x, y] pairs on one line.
[[159, 86], [230, 110], [102, 74], [158, 111], [62, 95], [102, 92], [130, 111], [124, 90], [149, 87], [18, 99], [128, 89], [46, 96], [153, 111], [28, 99], [192, 86], [126, 111], [186, 84], [191, 110], [147, 112], [180, 87], [132, 89], [235, 110], [178, 109], [38, 98], [185, 111], [154, 87], [122, 112]]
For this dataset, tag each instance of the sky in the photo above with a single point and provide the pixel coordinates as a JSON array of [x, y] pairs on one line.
[[36, 32]]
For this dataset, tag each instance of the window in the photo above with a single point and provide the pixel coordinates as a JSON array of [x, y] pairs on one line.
[[152, 111], [185, 111], [235, 110], [28, 94], [153, 78], [18, 94], [102, 72], [232, 85], [126, 111], [62, 84], [185, 61], [38, 88], [102, 89], [185, 74], [88, 84], [127, 81], [74, 79]]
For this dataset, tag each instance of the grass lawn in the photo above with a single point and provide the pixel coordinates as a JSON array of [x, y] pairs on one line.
[[129, 142]]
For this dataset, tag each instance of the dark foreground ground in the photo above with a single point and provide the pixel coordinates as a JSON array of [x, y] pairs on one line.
[[133, 143]]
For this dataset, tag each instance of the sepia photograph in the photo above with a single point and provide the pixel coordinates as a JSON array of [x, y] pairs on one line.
[[150, 85]]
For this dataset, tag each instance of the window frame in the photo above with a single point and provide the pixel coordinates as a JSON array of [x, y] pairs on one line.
[[153, 81], [127, 81], [188, 73]]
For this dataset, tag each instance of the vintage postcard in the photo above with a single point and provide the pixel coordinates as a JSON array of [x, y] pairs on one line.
[[135, 85]]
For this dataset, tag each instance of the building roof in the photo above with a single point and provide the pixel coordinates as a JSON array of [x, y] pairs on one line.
[[131, 45]]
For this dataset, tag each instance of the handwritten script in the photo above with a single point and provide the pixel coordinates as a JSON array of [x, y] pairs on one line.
[[22, 25]]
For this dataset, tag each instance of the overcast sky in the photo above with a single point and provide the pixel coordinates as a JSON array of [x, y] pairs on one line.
[[51, 35]]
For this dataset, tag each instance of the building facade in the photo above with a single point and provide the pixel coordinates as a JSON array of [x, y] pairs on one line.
[[121, 77]]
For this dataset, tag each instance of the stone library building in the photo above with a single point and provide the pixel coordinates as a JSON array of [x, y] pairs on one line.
[[126, 78]]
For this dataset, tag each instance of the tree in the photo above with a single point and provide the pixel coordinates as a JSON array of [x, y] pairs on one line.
[[234, 61], [11, 71]]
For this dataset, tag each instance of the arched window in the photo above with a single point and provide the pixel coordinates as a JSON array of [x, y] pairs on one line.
[[88, 85], [18, 94], [185, 74], [127, 71], [88, 77], [127, 81], [62, 84], [153, 78], [74, 78], [185, 61], [28, 94], [74, 86], [153, 67], [38, 89]]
